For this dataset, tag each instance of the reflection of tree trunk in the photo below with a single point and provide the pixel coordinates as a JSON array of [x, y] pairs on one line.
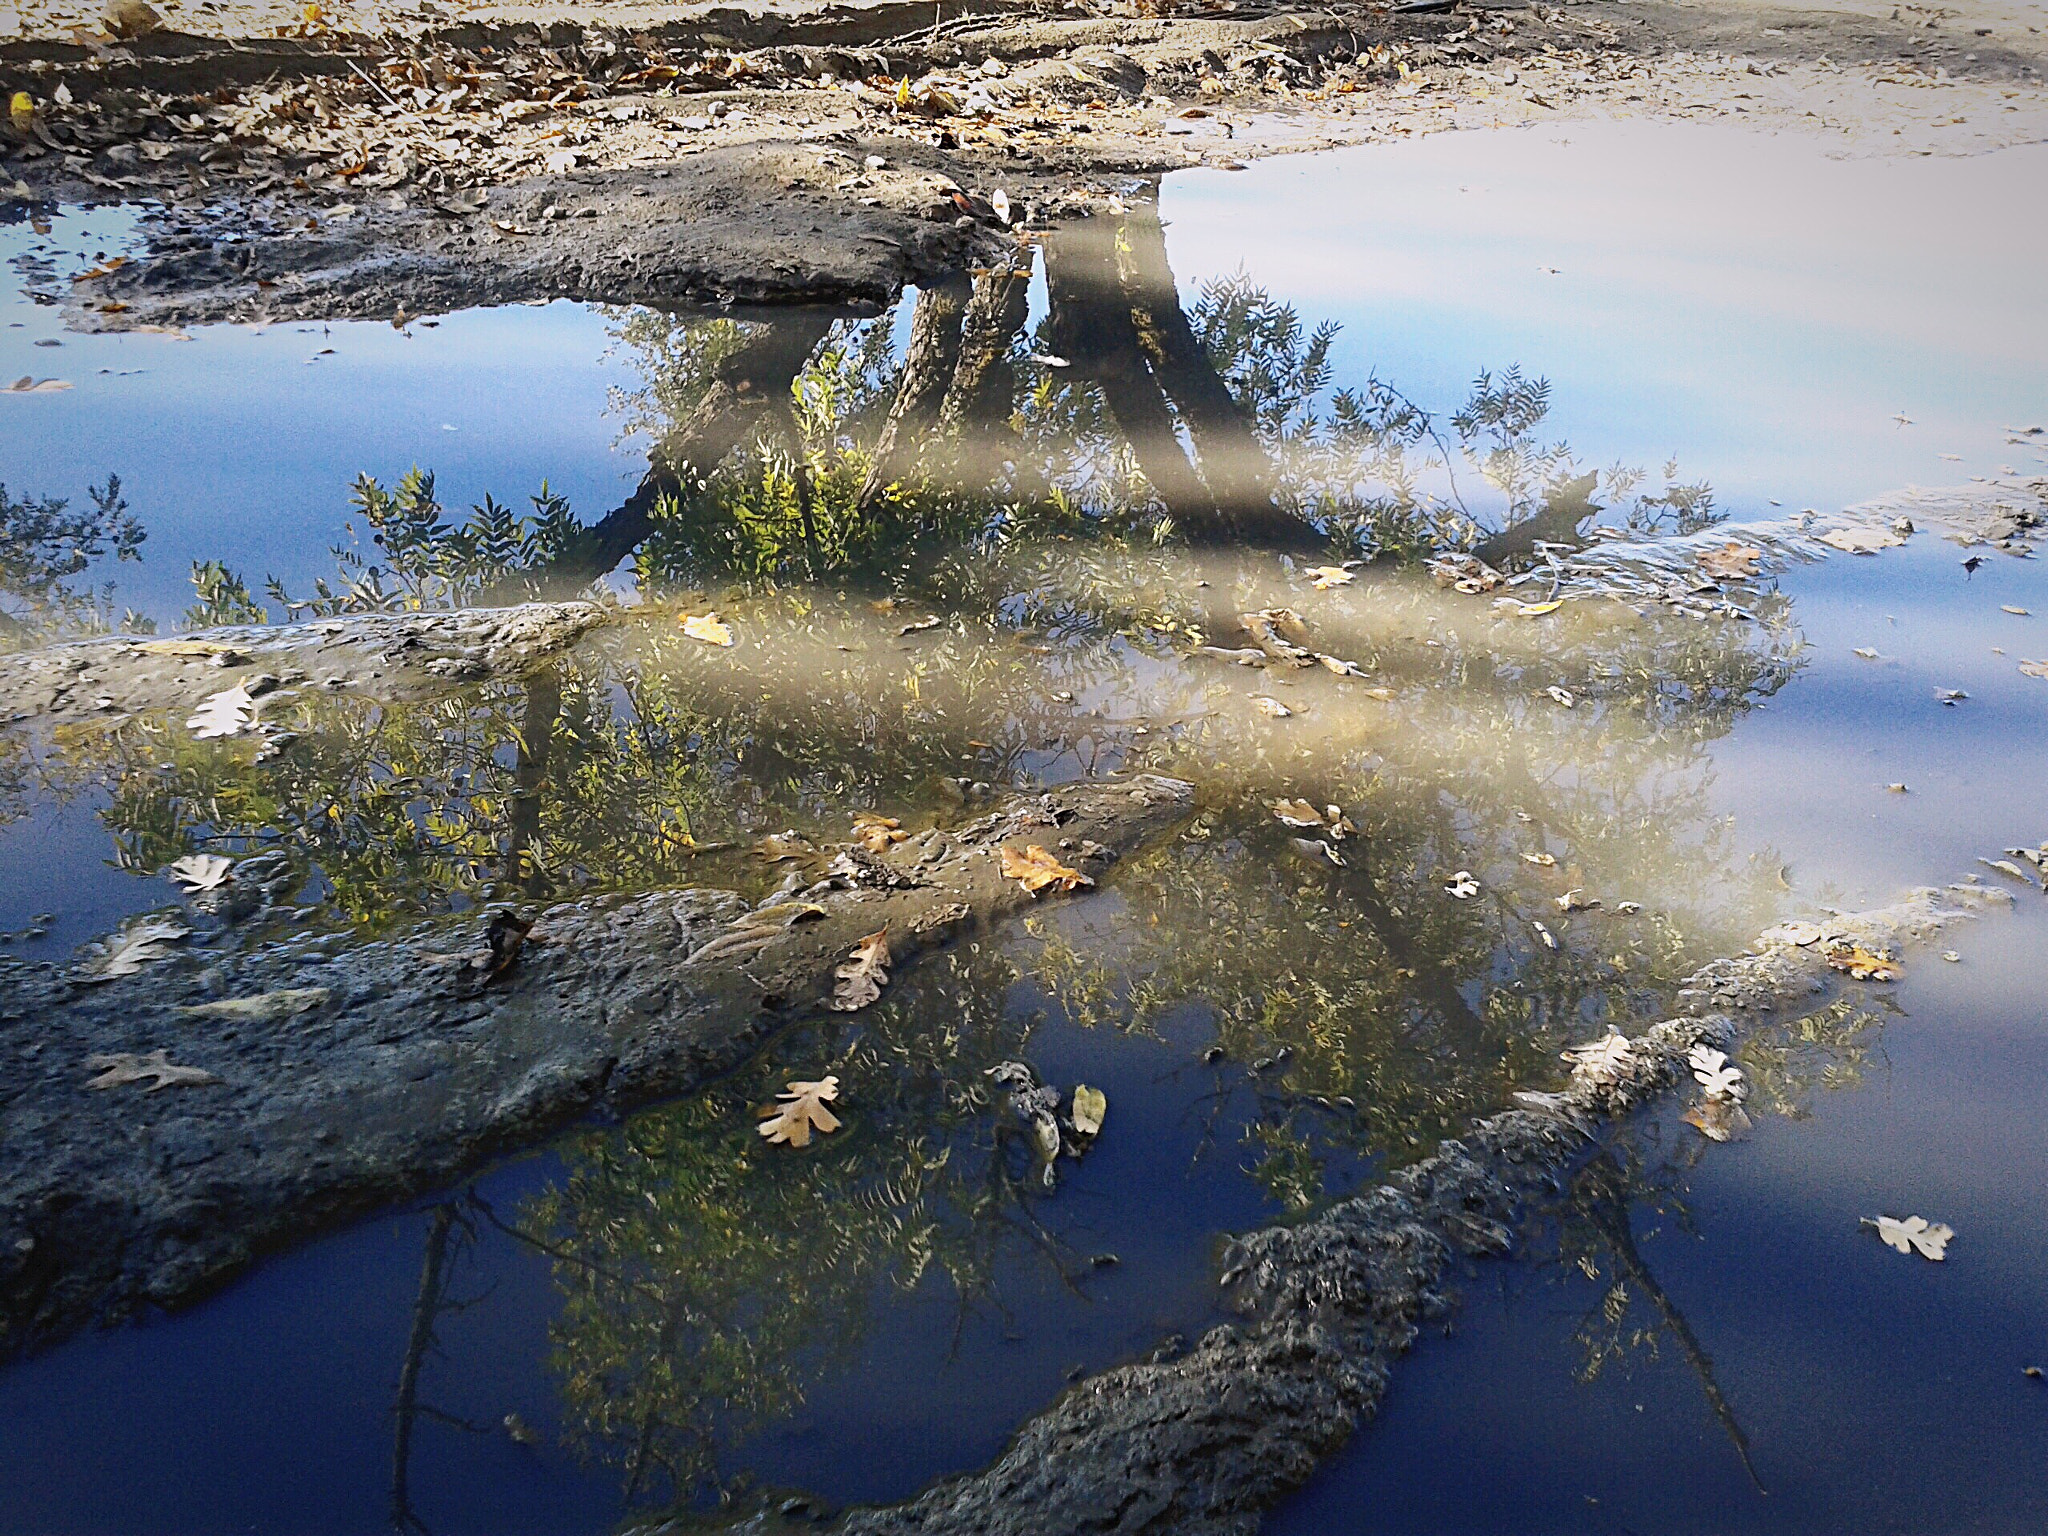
[[1232, 460], [433, 1282], [1092, 328], [928, 366], [1603, 1196], [529, 777], [984, 383], [744, 388]]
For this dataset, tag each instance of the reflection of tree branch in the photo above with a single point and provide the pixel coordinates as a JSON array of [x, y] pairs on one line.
[[745, 387], [1604, 1199], [433, 1285], [928, 366], [534, 737]]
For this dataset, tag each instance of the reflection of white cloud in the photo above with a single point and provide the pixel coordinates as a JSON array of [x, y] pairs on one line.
[[1750, 302]]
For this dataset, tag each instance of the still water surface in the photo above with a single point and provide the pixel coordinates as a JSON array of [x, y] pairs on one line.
[[889, 1309]]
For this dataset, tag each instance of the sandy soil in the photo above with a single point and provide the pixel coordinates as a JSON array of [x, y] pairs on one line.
[[390, 160]]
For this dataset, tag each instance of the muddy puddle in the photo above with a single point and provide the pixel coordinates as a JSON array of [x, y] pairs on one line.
[[1451, 817]]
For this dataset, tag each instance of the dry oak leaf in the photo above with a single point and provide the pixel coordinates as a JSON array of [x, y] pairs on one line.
[[862, 975], [706, 627], [1863, 964], [1090, 1105], [876, 833], [801, 1111], [144, 944], [1715, 1076], [1327, 576], [2034, 668], [1718, 1119], [155, 1068], [1861, 541], [1299, 813], [198, 872], [1603, 1060], [227, 713], [1913, 1235], [262, 1008], [1731, 561], [1035, 869]]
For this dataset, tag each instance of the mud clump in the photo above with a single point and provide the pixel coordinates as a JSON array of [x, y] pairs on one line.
[[353, 1075]]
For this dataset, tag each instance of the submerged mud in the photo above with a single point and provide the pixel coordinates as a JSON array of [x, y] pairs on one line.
[[322, 1081]]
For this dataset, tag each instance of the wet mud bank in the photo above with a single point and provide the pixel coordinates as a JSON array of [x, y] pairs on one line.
[[1206, 1440], [836, 153], [181, 1103]]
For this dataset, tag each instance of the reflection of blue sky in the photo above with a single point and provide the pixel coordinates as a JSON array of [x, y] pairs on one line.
[[240, 443], [1746, 303]]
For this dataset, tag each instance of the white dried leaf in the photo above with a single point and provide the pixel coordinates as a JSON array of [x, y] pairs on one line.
[[1462, 886], [228, 713], [198, 872], [1715, 1076], [1913, 1235], [1603, 1060]]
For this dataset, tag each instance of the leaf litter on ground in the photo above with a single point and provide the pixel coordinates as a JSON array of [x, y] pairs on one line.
[[122, 1067], [136, 948]]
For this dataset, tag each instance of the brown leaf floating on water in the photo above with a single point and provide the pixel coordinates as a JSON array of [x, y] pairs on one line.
[[876, 833], [801, 1111], [1864, 964], [1035, 869]]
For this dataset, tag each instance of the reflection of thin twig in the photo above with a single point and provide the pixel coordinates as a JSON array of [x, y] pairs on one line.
[[1608, 1210], [1428, 425], [433, 1282]]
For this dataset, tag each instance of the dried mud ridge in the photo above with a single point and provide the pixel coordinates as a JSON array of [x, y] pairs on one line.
[[350, 1075], [1202, 1444], [825, 153]]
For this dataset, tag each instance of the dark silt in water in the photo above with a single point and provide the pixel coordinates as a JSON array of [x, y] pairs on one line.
[[668, 1312]]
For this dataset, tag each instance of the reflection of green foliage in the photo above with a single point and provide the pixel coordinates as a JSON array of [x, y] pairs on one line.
[[44, 545], [432, 563], [711, 1277], [220, 597]]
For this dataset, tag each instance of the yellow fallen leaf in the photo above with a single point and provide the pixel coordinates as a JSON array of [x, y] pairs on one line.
[[1035, 869], [1863, 964], [706, 627], [1537, 610], [876, 833], [1090, 1105], [1327, 576], [183, 648], [801, 1111], [21, 111]]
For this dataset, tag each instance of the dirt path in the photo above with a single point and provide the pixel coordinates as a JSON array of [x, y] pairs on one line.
[[384, 162]]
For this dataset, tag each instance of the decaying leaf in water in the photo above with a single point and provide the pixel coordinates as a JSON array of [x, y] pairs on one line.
[[1710, 1069], [1516, 606], [1541, 860], [1561, 696], [777, 846], [2018, 613], [862, 975], [200, 871], [1384, 695], [919, 626], [1299, 813], [1340, 666], [1732, 561], [801, 1111], [1270, 707], [1863, 964], [1603, 1060], [785, 914], [1327, 576], [1549, 939], [2034, 668], [1861, 541], [1316, 851], [1718, 1119], [1462, 885], [1867, 652], [1035, 869], [706, 627], [178, 647], [877, 833], [1577, 901], [1281, 633], [2007, 867], [29, 384], [227, 713], [1090, 1105], [1913, 1235], [156, 1069], [143, 945], [1801, 934], [263, 1008]]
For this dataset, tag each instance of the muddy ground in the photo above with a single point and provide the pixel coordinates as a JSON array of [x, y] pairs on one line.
[[389, 161]]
